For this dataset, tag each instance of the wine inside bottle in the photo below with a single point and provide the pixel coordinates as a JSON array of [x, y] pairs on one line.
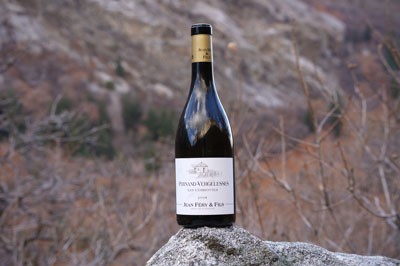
[[204, 156]]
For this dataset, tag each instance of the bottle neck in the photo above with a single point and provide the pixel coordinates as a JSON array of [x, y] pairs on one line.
[[203, 72], [202, 58]]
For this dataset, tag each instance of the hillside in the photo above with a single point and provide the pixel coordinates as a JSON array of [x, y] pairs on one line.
[[90, 92], [91, 38]]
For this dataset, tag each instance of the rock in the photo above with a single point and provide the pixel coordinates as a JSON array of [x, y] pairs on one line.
[[303, 14], [214, 246], [236, 246], [297, 253], [163, 90]]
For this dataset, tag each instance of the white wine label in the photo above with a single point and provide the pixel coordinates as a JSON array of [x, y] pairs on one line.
[[201, 48], [204, 186]]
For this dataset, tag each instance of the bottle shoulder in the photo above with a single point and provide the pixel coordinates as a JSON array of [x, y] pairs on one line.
[[204, 127], [205, 109]]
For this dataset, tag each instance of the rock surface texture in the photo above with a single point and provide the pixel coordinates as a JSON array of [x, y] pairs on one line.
[[236, 246]]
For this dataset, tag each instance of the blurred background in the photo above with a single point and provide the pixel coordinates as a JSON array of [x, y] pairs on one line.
[[91, 92]]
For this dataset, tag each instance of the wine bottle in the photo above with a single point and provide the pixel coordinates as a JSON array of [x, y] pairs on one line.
[[204, 156]]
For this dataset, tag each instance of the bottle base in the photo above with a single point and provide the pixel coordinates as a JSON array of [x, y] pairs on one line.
[[195, 221]]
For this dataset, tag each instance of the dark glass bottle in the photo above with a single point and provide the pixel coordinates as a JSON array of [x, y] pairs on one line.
[[205, 183]]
